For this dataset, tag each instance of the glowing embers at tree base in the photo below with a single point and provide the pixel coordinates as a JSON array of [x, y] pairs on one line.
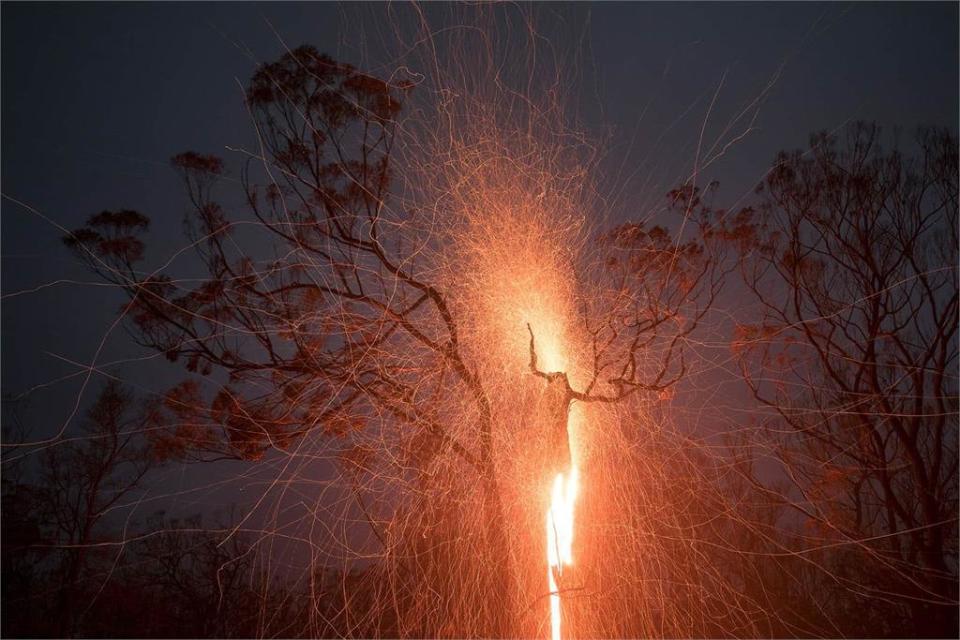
[[560, 540]]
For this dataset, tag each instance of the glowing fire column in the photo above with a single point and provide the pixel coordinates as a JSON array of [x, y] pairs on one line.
[[563, 418], [560, 539]]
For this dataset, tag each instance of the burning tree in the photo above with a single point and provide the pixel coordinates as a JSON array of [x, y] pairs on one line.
[[855, 271], [346, 319]]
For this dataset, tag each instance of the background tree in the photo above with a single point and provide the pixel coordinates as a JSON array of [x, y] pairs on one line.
[[855, 272], [82, 480], [60, 543], [24, 543]]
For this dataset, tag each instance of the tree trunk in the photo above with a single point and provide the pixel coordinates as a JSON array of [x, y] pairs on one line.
[[499, 592]]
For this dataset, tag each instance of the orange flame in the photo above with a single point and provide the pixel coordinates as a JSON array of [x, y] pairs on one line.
[[560, 539], [566, 485]]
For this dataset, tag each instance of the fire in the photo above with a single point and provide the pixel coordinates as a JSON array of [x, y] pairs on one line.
[[560, 524], [512, 257], [560, 539]]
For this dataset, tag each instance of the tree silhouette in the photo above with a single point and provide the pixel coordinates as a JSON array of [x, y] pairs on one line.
[[332, 321], [58, 538], [83, 480], [855, 271]]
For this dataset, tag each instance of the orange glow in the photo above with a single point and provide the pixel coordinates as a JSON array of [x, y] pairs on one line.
[[560, 525], [515, 243], [560, 539]]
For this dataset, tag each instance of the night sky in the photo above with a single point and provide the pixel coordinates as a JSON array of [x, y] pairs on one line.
[[97, 97]]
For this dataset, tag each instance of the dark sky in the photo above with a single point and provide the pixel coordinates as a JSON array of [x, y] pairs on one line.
[[97, 97]]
